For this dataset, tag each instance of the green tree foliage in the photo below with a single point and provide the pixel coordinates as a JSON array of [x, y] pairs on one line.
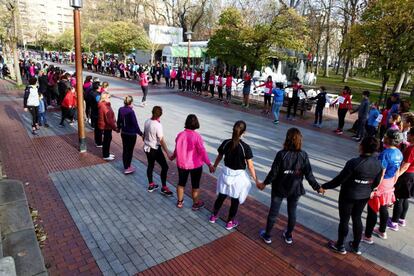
[[64, 42], [238, 43], [122, 37], [385, 33]]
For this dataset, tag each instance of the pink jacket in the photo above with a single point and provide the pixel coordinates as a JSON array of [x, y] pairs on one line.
[[143, 79], [190, 151]]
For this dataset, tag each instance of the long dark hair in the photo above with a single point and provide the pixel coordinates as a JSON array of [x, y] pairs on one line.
[[293, 141], [238, 129]]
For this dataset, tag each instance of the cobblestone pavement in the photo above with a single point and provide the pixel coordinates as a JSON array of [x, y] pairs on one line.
[[126, 228], [70, 248]]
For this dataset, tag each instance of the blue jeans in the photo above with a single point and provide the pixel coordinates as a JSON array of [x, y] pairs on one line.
[[276, 110], [42, 118]]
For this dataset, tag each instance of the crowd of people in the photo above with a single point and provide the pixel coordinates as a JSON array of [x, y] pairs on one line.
[[382, 175]]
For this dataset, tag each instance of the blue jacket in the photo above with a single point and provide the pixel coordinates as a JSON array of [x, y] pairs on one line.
[[372, 117], [278, 95], [166, 72]]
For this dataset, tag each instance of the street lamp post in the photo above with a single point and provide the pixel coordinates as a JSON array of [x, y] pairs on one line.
[[189, 33], [77, 5]]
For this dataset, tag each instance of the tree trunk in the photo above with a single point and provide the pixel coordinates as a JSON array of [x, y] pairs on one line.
[[399, 82], [384, 85], [317, 60], [327, 40], [16, 63], [338, 65]]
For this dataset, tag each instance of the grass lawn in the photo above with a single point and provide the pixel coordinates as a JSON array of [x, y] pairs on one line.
[[335, 85]]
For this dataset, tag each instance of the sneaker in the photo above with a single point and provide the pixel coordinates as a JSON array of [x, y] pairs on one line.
[[109, 158], [152, 187], [367, 240], [212, 218], [198, 205], [232, 224], [287, 239], [358, 140], [129, 170], [379, 234], [265, 237], [98, 146], [166, 191], [34, 132], [340, 132], [111, 155], [319, 126], [354, 249], [392, 225], [337, 249], [276, 122], [402, 223]]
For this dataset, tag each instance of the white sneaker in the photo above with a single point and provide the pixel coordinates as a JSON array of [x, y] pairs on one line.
[[111, 155], [109, 158]]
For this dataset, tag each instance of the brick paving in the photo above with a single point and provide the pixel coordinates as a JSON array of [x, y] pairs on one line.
[[68, 252]]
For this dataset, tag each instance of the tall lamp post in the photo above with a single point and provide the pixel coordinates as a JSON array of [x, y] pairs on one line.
[[77, 5], [189, 33]]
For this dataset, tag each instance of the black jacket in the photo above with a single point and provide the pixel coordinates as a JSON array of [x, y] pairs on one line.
[[320, 99], [286, 175], [358, 178], [43, 82], [93, 99]]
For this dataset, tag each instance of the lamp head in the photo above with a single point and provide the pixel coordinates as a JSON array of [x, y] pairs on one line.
[[77, 4], [189, 33]]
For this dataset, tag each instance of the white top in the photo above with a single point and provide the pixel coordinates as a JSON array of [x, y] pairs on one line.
[[152, 134], [33, 99]]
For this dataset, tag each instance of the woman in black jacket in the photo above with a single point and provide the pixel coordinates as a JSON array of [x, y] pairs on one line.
[[357, 179], [286, 176]]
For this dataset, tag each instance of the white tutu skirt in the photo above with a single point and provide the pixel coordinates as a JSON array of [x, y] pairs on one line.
[[234, 183]]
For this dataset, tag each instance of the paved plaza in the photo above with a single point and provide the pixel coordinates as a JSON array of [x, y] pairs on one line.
[[100, 221]]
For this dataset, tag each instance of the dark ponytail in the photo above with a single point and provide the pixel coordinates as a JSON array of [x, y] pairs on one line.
[[238, 129]]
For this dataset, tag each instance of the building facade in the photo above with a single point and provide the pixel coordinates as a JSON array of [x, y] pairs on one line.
[[43, 17]]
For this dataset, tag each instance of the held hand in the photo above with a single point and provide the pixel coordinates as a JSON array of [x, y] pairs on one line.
[[321, 191], [372, 195], [25, 109], [212, 169]]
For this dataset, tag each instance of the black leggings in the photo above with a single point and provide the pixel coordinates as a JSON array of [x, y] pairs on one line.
[[145, 93], [267, 100], [318, 115], [350, 208], [34, 111], [293, 102], [97, 132], [233, 207], [372, 220], [212, 90], [188, 85], [292, 203], [157, 155], [195, 177], [341, 117], [400, 209], [128, 144], [106, 145], [220, 92]]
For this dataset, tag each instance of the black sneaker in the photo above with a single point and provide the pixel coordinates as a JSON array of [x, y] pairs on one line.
[[152, 187], [166, 191], [340, 250], [288, 239], [265, 237], [354, 249]]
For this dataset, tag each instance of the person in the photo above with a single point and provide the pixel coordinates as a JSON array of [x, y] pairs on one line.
[[199, 82], [374, 118], [173, 77], [321, 100], [106, 123], [143, 81], [211, 83], [42, 80], [128, 125], [404, 188], [345, 105], [94, 98], [407, 125], [179, 78], [267, 94], [87, 88], [357, 179], [233, 180], [395, 122], [42, 111], [191, 155], [286, 176], [31, 103], [167, 75], [220, 83], [63, 86], [294, 100], [154, 144], [247, 82], [383, 195], [278, 95], [394, 103], [363, 112], [104, 87], [188, 74], [1, 69], [229, 83], [68, 106]]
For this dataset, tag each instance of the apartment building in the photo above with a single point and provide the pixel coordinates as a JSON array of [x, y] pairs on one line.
[[39, 17]]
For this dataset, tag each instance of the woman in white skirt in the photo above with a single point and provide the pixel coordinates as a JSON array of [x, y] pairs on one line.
[[233, 180]]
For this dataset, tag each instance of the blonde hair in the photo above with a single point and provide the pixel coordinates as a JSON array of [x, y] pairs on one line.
[[105, 84], [104, 96], [128, 100]]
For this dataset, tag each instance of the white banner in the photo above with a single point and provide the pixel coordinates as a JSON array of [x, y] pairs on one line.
[[165, 35]]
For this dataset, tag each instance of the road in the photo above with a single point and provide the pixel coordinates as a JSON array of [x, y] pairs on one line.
[[328, 155]]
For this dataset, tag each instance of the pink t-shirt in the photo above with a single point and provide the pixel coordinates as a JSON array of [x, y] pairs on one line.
[[190, 151], [143, 79]]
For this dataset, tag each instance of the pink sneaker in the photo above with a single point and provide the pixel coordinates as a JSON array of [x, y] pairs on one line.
[[379, 234], [232, 224], [367, 240], [402, 222], [213, 218], [129, 170]]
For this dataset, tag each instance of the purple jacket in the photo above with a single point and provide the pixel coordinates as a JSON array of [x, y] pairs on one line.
[[127, 121]]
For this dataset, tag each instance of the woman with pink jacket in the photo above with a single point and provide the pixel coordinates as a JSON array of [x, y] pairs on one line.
[[191, 156]]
